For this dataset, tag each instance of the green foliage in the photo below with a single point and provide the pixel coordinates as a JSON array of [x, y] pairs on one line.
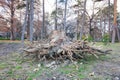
[[4, 38], [84, 37], [89, 38], [11, 72], [18, 67], [18, 39], [105, 39]]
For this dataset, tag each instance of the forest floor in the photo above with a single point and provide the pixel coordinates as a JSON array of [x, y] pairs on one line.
[[14, 66]]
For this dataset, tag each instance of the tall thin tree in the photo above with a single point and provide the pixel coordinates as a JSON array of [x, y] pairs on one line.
[[65, 15], [109, 18], [43, 20], [56, 16], [83, 20], [31, 19], [12, 21], [25, 23], [115, 28]]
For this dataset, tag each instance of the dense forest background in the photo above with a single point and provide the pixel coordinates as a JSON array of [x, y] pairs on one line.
[[27, 19]]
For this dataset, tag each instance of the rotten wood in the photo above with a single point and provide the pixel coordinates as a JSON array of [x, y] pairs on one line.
[[59, 48]]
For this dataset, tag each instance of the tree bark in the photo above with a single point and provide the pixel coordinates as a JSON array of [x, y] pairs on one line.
[[90, 28], [77, 27], [31, 19], [65, 15], [56, 16], [28, 21], [12, 21], [43, 23], [91, 19], [83, 20], [109, 20], [104, 28], [25, 23], [115, 28]]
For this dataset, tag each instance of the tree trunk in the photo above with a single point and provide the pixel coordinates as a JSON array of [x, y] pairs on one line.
[[25, 23], [104, 28], [56, 17], [90, 24], [83, 21], [65, 15], [28, 21], [43, 23], [101, 19], [109, 20], [113, 34], [12, 21], [90, 28], [115, 28], [77, 27], [31, 19]]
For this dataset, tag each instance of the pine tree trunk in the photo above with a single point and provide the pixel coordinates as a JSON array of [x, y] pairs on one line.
[[109, 20], [90, 27], [65, 16], [83, 21], [77, 27], [114, 22], [115, 28], [104, 28], [90, 23], [28, 21], [31, 19], [43, 23], [12, 21], [25, 23], [56, 17]]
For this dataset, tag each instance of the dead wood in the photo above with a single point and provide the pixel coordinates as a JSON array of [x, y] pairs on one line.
[[61, 48]]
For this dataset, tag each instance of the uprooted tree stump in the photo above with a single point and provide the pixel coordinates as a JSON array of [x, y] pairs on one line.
[[60, 47]]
